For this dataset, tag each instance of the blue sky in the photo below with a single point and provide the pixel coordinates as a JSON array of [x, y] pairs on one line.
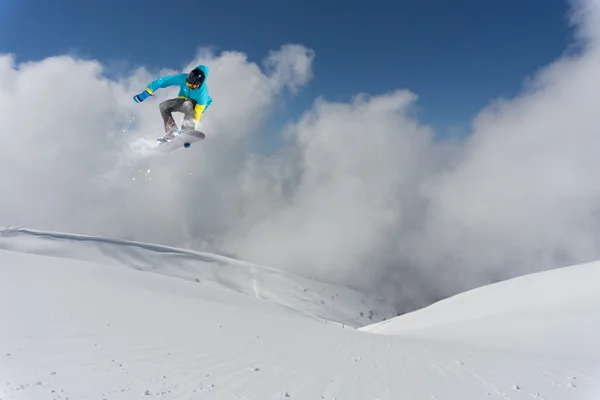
[[457, 56]]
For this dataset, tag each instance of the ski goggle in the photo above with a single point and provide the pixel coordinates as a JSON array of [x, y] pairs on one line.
[[192, 86]]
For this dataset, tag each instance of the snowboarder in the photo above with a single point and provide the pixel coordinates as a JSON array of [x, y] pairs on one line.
[[193, 99]]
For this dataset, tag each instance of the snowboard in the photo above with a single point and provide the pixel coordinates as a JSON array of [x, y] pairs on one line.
[[184, 139]]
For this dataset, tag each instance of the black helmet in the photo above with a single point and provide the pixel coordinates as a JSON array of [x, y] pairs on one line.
[[195, 78]]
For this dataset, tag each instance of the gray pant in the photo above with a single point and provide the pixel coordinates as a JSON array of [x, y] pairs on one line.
[[185, 106]]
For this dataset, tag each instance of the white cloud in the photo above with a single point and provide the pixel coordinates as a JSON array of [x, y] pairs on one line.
[[358, 163], [291, 66], [378, 203], [70, 164], [362, 193]]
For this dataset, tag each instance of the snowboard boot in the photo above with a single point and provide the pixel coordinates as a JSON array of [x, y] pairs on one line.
[[170, 134], [170, 129]]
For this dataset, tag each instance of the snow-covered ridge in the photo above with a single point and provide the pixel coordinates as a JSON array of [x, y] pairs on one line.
[[96, 318], [531, 294], [313, 298], [555, 311]]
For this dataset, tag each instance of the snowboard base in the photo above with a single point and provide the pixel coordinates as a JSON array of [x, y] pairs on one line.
[[184, 139]]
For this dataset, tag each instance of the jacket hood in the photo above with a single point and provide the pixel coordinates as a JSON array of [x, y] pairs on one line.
[[204, 69]]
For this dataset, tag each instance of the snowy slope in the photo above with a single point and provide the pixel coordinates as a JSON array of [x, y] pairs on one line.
[[78, 322], [316, 299], [544, 310]]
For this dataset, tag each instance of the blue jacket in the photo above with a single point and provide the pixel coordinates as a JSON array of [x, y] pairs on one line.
[[200, 95]]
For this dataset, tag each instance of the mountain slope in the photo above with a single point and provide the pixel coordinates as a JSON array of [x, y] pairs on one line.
[[87, 327], [310, 297], [541, 310]]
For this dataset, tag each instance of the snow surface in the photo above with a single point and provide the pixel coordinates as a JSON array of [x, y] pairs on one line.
[[315, 299], [95, 318]]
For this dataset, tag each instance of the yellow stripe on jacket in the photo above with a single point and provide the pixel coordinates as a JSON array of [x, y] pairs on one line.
[[198, 110]]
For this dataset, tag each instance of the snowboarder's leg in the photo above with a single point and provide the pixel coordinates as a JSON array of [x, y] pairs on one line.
[[189, 122], [166, 108]]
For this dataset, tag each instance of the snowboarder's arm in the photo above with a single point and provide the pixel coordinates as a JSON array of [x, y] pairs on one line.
[[161, 82]]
